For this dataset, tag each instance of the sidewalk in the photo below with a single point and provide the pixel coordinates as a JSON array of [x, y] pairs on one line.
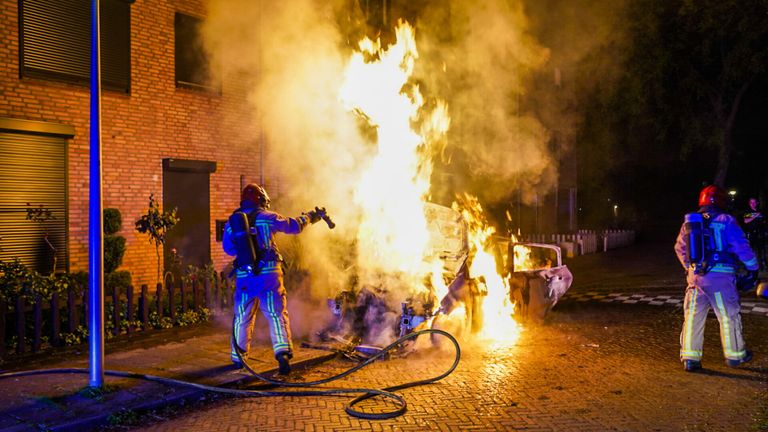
[[62, 402]]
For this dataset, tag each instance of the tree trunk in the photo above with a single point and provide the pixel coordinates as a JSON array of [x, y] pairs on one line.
[[726, 143], [157, 252]]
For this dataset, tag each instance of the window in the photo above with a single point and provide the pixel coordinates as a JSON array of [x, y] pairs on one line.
[[192, 66], [33, 175], [55, 41]]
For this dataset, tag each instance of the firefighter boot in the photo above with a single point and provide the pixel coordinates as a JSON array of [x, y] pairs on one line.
[[691, 365], [284, 364], [736, 363]]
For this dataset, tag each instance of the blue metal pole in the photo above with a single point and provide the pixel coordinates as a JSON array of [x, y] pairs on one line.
[[95, 224]]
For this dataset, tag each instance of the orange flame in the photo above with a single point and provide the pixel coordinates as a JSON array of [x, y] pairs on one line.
[[498, 324], [393, 235]]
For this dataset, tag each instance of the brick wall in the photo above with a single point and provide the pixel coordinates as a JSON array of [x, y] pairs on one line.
[[156, 121]]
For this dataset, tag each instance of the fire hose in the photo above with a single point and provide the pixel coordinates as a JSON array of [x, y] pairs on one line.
[[387, 392]]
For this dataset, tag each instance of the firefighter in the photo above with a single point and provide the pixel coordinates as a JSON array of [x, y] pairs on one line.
[[249, 236], [711, 245]]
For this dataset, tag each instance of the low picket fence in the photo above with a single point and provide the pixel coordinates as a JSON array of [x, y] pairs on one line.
[[32, 326], [585, 241]]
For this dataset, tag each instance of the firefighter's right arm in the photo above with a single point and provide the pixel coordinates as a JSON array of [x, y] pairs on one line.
[[680, 247]]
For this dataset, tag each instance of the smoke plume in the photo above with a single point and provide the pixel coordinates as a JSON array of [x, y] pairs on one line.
[[477, 56], [483, 68]]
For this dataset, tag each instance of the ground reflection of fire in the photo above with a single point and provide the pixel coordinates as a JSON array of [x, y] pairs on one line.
[[393, 236]]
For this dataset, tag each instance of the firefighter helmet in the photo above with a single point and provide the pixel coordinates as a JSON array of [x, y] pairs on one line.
[[255, 193], [713, 195]]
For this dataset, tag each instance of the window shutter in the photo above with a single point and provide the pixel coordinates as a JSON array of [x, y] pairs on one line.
[[33, 170], [55, 41]]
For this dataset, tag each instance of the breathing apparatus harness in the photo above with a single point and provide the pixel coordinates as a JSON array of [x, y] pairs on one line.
[[702, 251], [249, 256]]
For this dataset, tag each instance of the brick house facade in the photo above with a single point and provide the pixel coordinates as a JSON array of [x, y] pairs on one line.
[[156, 120]]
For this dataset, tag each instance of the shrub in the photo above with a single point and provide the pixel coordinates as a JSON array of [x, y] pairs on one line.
[[114, 245], [119, 279], [12, 277], [112, 221]]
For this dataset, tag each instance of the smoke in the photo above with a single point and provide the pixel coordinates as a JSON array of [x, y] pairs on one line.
[[294, 55], [479, 57], [483, 69]]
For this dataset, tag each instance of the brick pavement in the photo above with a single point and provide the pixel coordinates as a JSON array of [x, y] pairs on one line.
[[595, 365], [592, 367]]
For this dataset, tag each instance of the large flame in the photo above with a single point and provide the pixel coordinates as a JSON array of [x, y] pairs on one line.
[[393, 235]]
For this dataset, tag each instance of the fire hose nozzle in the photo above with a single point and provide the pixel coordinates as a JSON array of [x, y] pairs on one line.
[[324, 215]]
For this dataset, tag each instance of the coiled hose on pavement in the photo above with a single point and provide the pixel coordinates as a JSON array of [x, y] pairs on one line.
[[366, 393]]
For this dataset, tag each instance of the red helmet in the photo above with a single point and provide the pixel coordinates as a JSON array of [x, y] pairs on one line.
[[255, 193], [713, 195]]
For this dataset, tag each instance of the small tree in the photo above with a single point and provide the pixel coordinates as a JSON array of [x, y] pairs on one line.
[[41, 215], [156, 225]]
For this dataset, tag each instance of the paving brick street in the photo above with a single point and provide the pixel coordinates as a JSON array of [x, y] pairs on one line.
[[605, 359], [593, 367]]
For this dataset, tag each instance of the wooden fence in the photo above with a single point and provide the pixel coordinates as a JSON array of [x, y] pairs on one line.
[[130, 311]]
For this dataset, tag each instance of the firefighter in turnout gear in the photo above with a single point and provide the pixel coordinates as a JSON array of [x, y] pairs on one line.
[[249, 236], [711, 247]]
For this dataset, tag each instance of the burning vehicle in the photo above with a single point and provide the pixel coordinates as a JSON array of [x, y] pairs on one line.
[[415, 264], [532, 273]]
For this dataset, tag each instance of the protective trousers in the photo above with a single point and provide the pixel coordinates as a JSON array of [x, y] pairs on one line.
[[718, 291], [264, 292]]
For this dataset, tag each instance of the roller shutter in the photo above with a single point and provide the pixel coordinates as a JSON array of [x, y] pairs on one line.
[[33, 170], [55, 41]]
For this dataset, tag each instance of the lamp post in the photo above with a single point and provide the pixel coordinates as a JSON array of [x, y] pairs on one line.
[[95, 223]]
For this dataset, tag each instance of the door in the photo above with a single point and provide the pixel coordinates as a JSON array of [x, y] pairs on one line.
[[186, 187]]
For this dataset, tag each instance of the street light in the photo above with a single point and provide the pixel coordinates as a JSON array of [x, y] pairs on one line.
[[95, 222]]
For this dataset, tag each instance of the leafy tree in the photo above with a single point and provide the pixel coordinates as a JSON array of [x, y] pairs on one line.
[[688, 71], [156, 224]]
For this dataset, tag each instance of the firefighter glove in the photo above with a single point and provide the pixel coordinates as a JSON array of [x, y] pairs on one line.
[[753, 275], [747, 281], [315, 215]]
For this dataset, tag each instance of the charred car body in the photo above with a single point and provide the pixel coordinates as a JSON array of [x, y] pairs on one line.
[[365, 316]]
